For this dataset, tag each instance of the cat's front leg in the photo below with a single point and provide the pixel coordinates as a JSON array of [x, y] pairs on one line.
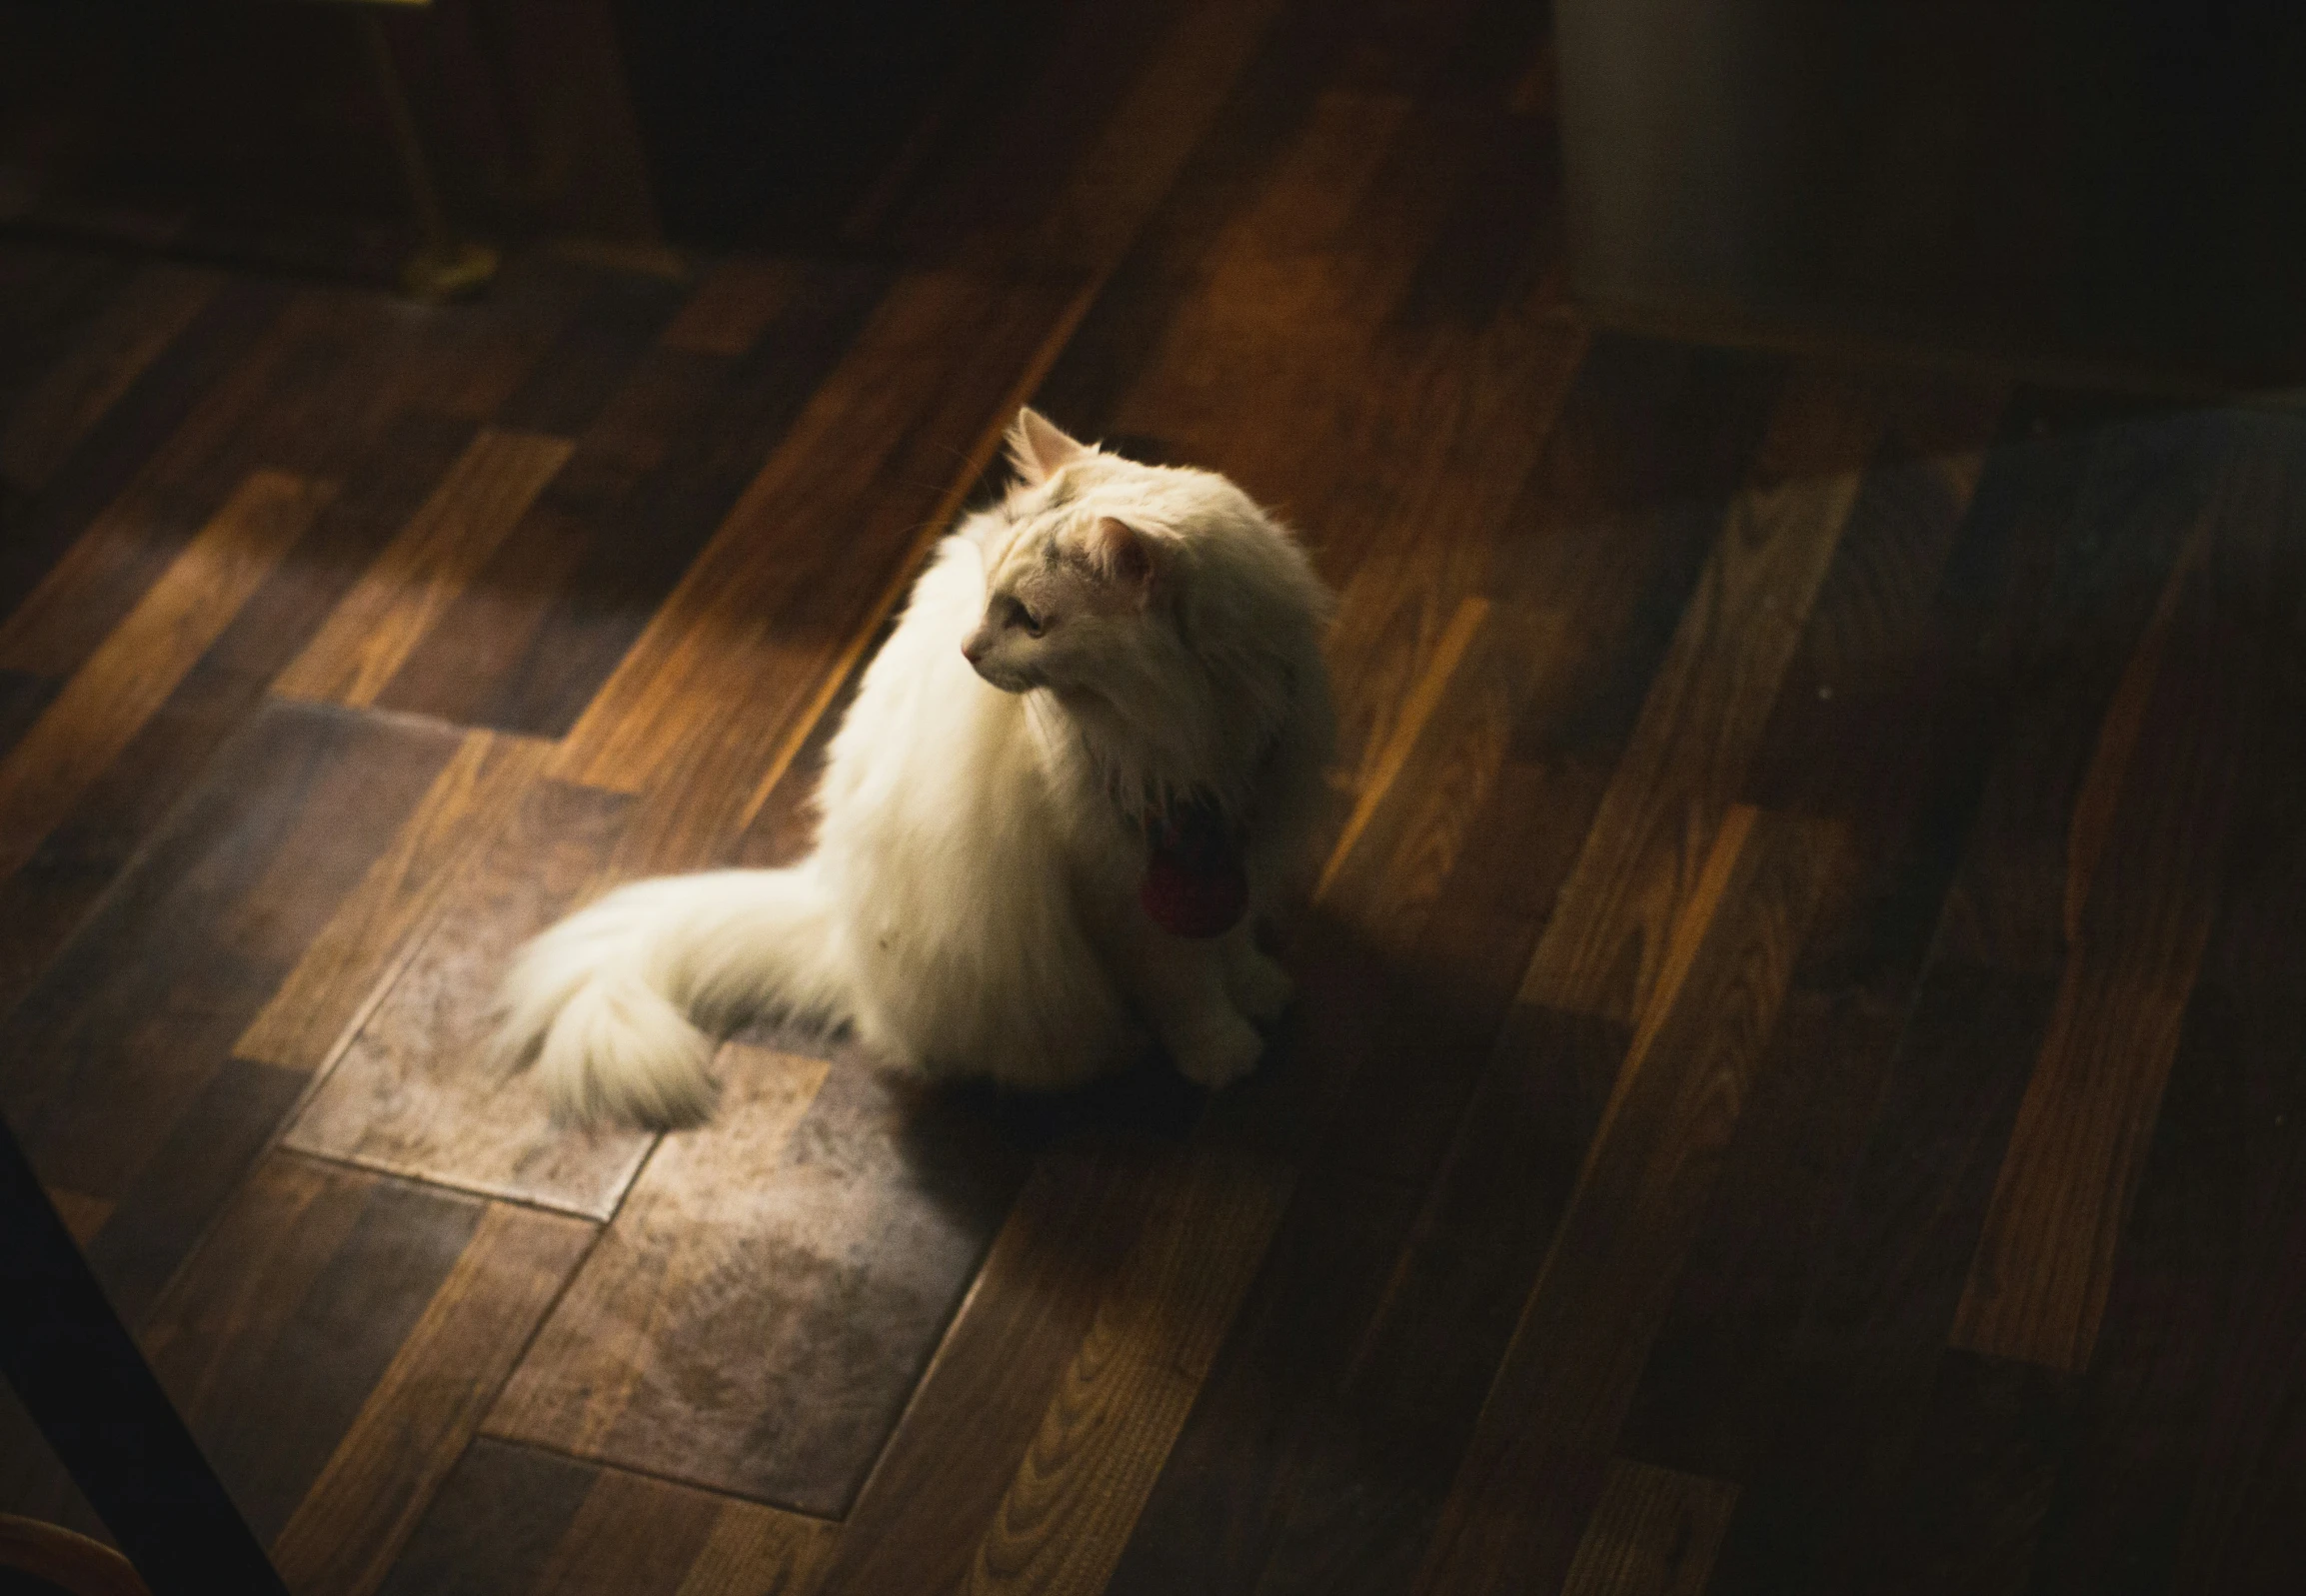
[[1181, 984], [1257, 984]]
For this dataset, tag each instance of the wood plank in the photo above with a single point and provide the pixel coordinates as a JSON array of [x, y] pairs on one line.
[[142, 1004], [1265, 105], [153, 308], [2090, 505], [547, 618], [512, 1518], [101, 708], [22, 699], [162, 1213], [1711, 698], [2182, 1462], [758, 1247], [427, 1403], [1887, 723], [1848, 1403], [1533, 1469], [932, 379], [1501, 234], [639, 1534], [1351, 1355], [733, 306], [759, 1551], [1174, 92], [1654, 1533], [1118, 1410], [1968, 1503], [131, 797], [916, 1522], [1401, 737], [607, 332], [118, 448], [410, 1095], [2138, 916], [346, 965], [290, 1313], [493, 1523], [379, 623], [2129, 489], [1082, 126], [282, 406], [53, 298]]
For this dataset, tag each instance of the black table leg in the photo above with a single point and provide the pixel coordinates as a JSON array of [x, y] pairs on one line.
[[87, 1386]]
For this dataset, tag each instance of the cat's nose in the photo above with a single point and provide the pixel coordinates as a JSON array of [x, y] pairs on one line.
[[973, 648]]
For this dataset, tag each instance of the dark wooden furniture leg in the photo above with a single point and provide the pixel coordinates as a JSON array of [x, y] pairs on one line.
[[87, 1386]]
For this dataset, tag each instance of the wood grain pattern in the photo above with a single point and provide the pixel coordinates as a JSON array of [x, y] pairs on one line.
[[1118, 1410], [101, 708], [493, 1523], [348, 962], [272, 410], [350, 1523], [918, 1520], [1712, 695], [1416, 710], [607, 332], [514, 1518], [296, 1304], [1654, 1533], [2125, 499], [1563, 1386], [809, 1246], [1370, 1333], [379, 622], [890, 414], [1063, 166], [410, 1095], [153, 309], [758, 1552], [2176, 1474], [552, 614], [2140, 912], [1886, 724], [143, 1004], [123, 443], [1848, 1403], [130, 798]]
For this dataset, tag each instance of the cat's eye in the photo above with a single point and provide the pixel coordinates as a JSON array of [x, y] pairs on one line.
[[1020, 615]]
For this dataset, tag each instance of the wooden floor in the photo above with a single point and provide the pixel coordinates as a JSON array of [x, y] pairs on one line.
[[1800, 1080]]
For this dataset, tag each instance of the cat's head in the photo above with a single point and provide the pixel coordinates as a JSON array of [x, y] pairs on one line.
[[1175, 623], [1083, 564]]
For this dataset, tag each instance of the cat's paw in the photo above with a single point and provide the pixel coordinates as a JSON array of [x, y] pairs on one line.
[[1258, 987], [1219, 1053]]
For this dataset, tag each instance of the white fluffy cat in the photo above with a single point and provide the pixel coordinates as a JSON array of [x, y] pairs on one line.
[[1104, 713]]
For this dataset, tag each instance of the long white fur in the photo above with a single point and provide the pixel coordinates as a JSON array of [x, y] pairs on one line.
[[970, 909]]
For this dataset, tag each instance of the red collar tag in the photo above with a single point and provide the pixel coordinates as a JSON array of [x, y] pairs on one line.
[[1195, 884]]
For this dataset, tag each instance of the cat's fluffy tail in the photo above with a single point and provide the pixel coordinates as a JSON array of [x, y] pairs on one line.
[[609, 1002]]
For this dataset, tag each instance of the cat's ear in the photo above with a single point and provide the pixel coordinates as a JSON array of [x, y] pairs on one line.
[[1125, 559], [1039, 448]]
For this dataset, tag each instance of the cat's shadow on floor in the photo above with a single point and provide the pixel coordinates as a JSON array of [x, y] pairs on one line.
[[1360, 1019]]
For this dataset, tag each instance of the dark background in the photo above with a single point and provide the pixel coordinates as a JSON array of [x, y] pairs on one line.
[[2116, 186]]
